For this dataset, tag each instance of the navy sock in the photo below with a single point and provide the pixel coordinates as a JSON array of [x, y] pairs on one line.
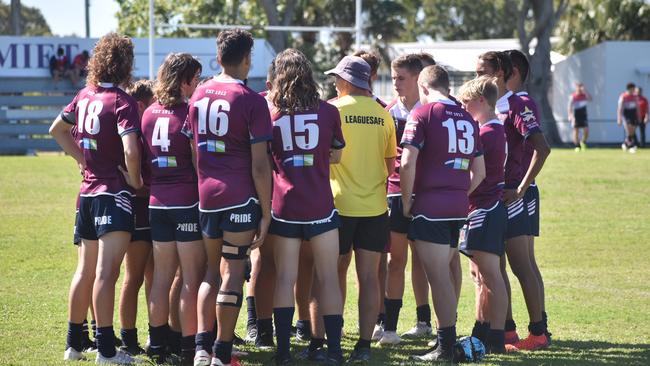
[[283, 318], [84, 328], [362, 343], [264, 326], [158, 337], [93, 326], [480, 330], [252, 314], [106, 341], [496, 338], [204, 341], [75, 332], [424, 313], [447, 337], [316, 343], [188, 343], [304, 326], [174, 342], [393, 307], [545, 320], [381, 319], [333, 326], [223, 351], [129, 337], [536, 328], [510, 325]]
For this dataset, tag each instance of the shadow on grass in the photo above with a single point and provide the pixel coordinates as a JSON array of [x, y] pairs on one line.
[[561, 352]]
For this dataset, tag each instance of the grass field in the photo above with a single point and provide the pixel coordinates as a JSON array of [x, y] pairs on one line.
[[594, 253]]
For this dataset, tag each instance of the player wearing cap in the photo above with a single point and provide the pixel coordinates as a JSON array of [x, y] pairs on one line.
[[359, 187], [231, 127], [442, 163], [107, 152], [628, 114], [578, 116]]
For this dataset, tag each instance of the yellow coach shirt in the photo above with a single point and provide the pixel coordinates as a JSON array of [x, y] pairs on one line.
[[359, 180]]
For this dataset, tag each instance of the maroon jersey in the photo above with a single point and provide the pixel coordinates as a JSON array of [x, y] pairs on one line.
[[400, 114], [528, 148], [102, 115], [490, 191], [225, 118], [448, 140], [169, 157], [520, 121], [301, 148]]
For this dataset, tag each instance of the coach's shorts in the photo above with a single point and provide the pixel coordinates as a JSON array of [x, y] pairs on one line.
[[304, 231], [444, 232], [580, 118], [532, 203], [142, 230], [369, 233], [175, 224], [102, 214], [485, 231], [518, 221], [235, 220], [398, 222]]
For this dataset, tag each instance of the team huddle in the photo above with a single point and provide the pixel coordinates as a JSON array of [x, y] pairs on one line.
[[201, 186]]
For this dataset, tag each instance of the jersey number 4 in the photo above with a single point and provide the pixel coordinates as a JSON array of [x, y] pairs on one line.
[[301, 125], [215, 117], [463, 143], [160, 136]]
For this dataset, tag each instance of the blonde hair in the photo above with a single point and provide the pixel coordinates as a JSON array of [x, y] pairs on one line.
[[482, 86]]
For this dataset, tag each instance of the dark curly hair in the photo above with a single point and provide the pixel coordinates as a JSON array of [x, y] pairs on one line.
[[233, 46], [112, 61], [141, 90], [178, 68], [294, 89]]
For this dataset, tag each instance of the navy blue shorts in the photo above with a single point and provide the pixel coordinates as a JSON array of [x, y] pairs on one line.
[[398, 222], [532, 203], [444, 232], [485, 230], [102, 214], [175, 224], [304, 231], [234, 220], [369, 233], [142, 230], [76, 240], [518, 221]]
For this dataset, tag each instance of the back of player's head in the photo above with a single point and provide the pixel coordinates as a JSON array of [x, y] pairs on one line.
[[294, 88], [520, 62], [233, 46], [142, 91], [112, 60], [482, 86], [435, 77], [427, 59], [178, 68], [371, 58], [410, 62], [498, 61], [630, 86]]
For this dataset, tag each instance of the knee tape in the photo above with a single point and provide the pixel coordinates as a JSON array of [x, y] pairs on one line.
[[229, 298], [230, 251]]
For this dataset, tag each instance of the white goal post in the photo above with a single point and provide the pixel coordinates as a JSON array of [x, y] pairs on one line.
[[272, 28]]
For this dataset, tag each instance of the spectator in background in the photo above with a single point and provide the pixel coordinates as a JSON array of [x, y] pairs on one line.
[[643, 114], [78, 67], [628, 115], [578, 116], [59, 65]]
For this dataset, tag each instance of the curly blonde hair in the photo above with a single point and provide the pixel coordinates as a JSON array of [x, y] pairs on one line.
[[482, 86], [178, 68], [294, 88], [112, 61]]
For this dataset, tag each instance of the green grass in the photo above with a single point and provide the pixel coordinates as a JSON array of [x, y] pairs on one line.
[[594, 253]]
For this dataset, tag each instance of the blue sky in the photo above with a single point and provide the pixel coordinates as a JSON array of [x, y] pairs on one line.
[[67, 17]]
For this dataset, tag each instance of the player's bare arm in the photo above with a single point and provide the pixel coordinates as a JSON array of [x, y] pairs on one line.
[[263, 184], [407, 176], [390, 165], [60, 130], [540, 153], [335, 156], [477, 173]]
